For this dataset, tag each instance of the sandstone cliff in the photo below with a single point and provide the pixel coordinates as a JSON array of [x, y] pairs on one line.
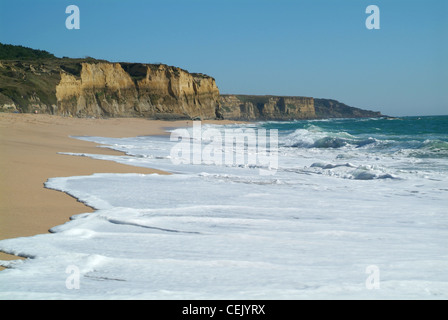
[[36, 81], [250, 107], [95, 88], [126, 90]]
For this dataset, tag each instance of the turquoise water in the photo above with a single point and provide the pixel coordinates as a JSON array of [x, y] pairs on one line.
[[422, 137]]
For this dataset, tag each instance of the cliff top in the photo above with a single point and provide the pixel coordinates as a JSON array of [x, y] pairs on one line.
[[14, 53]]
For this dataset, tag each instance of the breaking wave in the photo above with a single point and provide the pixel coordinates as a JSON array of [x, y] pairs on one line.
[[305, 138]]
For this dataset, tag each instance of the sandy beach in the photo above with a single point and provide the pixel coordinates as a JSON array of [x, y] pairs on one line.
[[29, 146]]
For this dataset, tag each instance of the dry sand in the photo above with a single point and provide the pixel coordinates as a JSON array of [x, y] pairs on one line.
[[29, 146]]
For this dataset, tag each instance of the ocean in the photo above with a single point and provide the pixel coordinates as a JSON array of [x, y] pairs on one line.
[[312, 209]]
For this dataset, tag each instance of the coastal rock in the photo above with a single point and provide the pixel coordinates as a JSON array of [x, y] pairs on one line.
[[38, 82], [328, 108], [156, 91], [251, 107]]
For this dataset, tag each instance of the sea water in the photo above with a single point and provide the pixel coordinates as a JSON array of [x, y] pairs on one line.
[[351, 209]]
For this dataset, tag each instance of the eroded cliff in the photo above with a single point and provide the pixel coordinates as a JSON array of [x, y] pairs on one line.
[[329, 108], [36, 81], [251, 107], [96, 88], [126, 90]]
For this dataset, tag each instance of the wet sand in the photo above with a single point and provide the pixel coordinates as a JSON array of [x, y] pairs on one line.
[[29, 147]]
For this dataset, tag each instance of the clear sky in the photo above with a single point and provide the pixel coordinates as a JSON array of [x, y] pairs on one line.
[[317, 48]]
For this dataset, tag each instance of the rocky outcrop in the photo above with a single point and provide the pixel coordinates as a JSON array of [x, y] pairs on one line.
[[27, 87], [36, 81], [328, 108], [96, 88], [251, 107], [127, 90]]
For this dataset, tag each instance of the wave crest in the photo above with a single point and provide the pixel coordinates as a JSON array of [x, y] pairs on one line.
[[306, 138]]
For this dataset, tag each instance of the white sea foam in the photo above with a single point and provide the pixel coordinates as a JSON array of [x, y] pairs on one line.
[[216, 232]]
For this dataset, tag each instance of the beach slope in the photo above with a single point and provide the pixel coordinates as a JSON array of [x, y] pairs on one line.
[[30, 145]]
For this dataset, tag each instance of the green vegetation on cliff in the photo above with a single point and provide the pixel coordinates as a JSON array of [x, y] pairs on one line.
[[328, 108], [11, 52], [28, 77], [31, 83]]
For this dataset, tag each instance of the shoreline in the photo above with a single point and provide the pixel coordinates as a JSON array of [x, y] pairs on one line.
[[30, 146]]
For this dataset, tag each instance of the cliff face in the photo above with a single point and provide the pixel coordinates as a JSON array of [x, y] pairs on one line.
[[27, 86], [251, 107], [126, 90], [86, 88], [247, 107], [328, 108], [36, 81]]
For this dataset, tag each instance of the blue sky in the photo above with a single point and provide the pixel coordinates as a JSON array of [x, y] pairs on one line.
[[317, 48]]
